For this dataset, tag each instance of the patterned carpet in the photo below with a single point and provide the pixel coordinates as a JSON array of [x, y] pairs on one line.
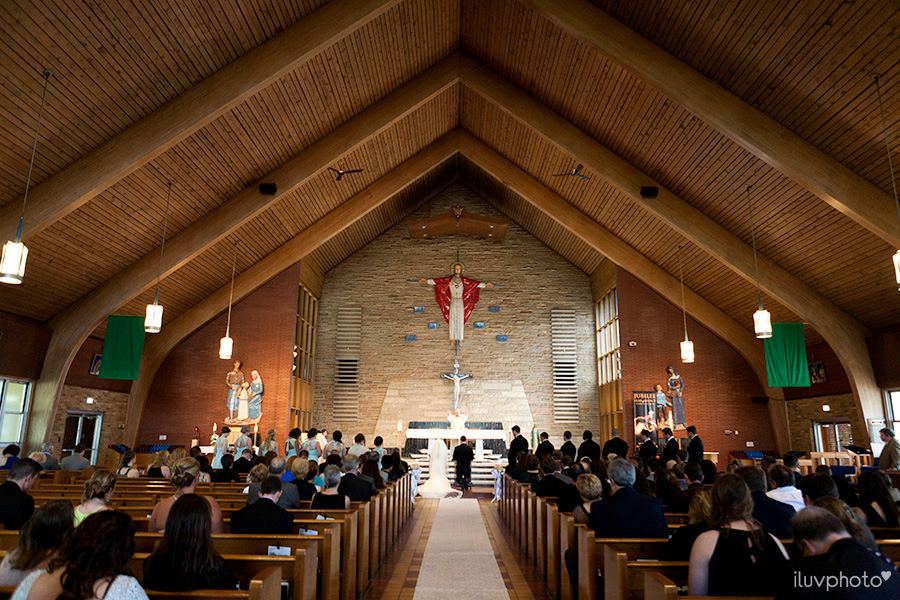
[[459, 561]]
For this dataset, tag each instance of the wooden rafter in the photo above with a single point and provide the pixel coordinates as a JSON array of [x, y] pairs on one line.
[[72, 327], [825, 177], [845, 334], [168, 125], [159, 346]]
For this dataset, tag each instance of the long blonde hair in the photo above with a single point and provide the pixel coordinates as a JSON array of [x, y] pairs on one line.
[[270, 437], [162, 459], [177, 454]]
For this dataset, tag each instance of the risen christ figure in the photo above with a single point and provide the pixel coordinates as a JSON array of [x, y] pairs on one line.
[[457, 296]]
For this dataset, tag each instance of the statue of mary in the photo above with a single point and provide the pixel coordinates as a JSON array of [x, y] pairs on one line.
[[438, 486]]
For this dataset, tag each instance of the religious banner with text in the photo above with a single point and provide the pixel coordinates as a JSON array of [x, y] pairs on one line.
[[645, 414]]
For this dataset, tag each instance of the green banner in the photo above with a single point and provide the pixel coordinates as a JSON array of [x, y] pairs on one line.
[[122, 348], [786, 356]]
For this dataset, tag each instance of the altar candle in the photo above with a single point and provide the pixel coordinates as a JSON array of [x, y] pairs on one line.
[[215, 426], [399, 424], [256, 428]]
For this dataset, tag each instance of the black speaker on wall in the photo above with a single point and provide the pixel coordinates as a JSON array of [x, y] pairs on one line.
[[759, 399], [649, 192], [268, 189]]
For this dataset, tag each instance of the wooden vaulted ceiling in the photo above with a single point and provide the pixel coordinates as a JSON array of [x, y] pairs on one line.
[[806, 65]]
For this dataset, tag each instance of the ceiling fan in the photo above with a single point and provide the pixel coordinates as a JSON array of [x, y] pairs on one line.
[[342, 172], [576, 172]]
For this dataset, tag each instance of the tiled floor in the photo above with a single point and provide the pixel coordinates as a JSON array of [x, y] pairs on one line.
[[397, 577]]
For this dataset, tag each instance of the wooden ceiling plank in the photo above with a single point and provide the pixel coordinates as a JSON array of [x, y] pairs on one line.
[[159, 346], [827, 178], [175, 121], [845, 335]]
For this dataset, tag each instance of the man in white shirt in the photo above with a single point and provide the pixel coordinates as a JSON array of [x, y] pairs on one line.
[[784, 490]]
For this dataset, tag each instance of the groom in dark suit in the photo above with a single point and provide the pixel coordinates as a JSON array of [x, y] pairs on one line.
[[463, 456]]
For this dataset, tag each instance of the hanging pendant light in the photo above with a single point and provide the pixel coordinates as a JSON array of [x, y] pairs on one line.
[[687, 346], [226, 344], [762, 320], [153, 320], [887, 145], [15, 253]]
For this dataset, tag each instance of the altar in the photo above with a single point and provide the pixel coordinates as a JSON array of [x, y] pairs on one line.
[[453, 435]]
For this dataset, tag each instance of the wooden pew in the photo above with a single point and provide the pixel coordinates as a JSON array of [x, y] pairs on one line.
[[553, 554], [590, 555], [624, 579], [265, 585], [659, 587], [567, 539]]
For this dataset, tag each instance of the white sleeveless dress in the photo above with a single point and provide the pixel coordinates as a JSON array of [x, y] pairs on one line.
[[438, 486]]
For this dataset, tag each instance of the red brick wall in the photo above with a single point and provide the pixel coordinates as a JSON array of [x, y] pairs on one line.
[[189, 389], [23, 344], [884, 348], [836, 382], [80, 372], [718, 385]]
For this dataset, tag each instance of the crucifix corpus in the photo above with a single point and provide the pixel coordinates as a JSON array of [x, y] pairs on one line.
[[456, 377]]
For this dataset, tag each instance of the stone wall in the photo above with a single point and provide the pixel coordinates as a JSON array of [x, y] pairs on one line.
[[401, 379]]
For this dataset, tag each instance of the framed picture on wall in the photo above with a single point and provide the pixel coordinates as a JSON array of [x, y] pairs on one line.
[[95, 364], [817, 373]]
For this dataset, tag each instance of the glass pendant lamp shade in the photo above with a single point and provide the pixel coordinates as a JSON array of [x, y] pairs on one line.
[[896, 265], [153, 320], [687, 351], [12, 264], [226, 345], [762, 323]]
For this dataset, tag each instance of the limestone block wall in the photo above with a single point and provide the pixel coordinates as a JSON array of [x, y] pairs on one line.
[[401, 379]]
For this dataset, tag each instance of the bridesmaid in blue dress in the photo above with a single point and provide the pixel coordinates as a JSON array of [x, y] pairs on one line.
[[221, 448]]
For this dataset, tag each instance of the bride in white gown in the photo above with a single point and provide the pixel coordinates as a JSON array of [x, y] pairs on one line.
[[438, 486]]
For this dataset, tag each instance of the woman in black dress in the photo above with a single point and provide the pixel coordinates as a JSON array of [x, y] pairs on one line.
[[329, 498], [185, 559], [876, 507]]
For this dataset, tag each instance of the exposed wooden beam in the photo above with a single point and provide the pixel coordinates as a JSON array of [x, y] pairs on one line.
[[602, 240], [158, 347], [844, 334], [72, 327], [825, 177], [170, 124]]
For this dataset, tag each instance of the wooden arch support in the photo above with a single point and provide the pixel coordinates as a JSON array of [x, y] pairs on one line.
[[72, 327], [843, 333], [774, 143], [160, 345], [160, 130], [597, 237]]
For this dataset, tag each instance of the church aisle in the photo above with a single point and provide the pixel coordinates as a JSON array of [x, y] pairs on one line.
[[398, 578], [459, 561]]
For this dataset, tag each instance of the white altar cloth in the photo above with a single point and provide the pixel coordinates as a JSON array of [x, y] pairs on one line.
[[479, 435]]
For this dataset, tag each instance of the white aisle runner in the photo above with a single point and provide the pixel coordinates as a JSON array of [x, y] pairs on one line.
[[459, 561]]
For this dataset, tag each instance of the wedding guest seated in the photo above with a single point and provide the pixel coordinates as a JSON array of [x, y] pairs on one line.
[[177, 454], [552, 482], [160, 466], [289, 498], [98, 491], [38, 457], [95, 565], [846, 490], [354, 486], [710, 471], [256, 475], [16, 506], [329, 498], [185, 559], [288, 475], [831, 558], [569, 497], [734, 465], [185, 477], [370, 469], [852, 523], [517, 467], [783, 489], [876, 507], [766, 465], [264, 515], [227, 472], [590, 489], [693, 476], [735, 558], [334, 459], [678, 471], [126, 466], [42, 539], [774, 516], [399, 469], [305, 489], [76, 461], [793, 463], [665, 486], [10, 456], [206, 469], [244, 463], [817, 485], [313, 476], [532, 469], [627, 513], [681, 456], [699, 514]]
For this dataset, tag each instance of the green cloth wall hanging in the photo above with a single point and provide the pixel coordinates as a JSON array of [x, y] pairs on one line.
[[122, 348], [786, 356]]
